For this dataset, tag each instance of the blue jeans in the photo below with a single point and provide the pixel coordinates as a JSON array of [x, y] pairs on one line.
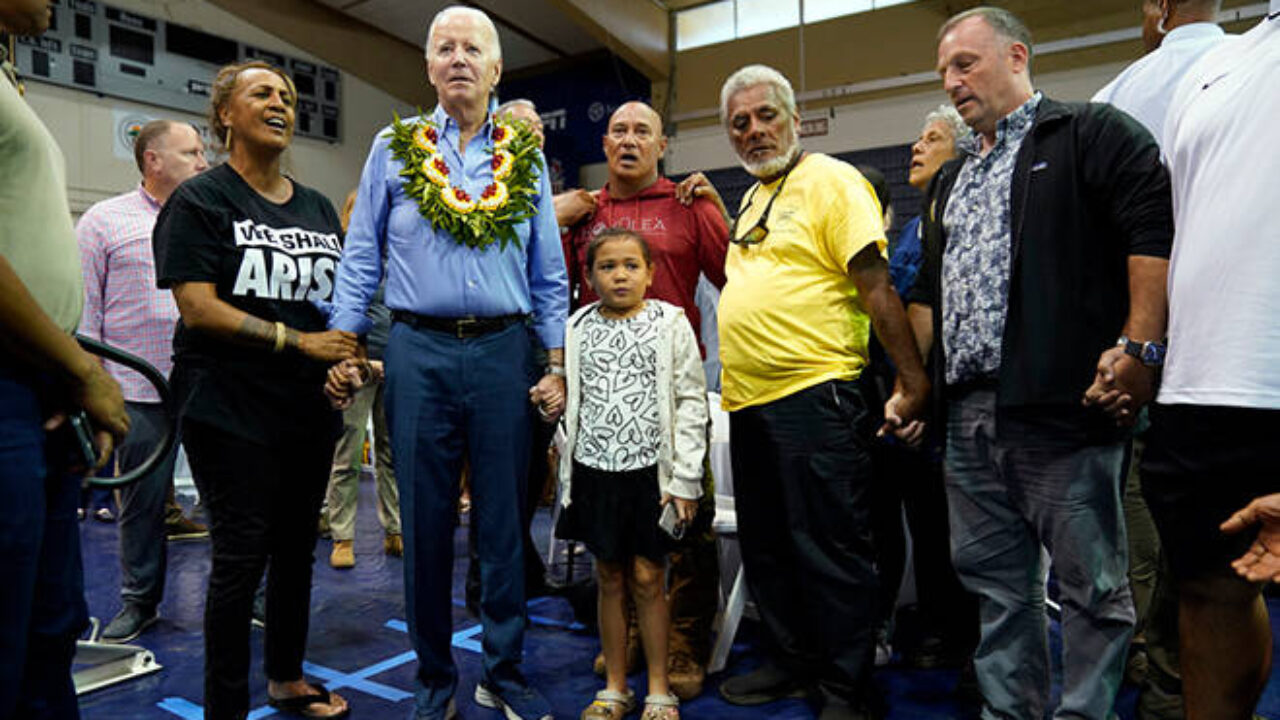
[[42, 607], [142, 508], [445, 396], [1007, 499]]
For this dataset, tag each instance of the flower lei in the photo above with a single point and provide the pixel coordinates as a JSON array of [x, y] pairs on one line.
[[475, 222]]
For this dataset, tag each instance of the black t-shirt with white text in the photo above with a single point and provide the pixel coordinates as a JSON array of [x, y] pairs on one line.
[[276, 262]]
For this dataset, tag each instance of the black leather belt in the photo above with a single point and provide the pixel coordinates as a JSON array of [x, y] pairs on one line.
[[461, 328]]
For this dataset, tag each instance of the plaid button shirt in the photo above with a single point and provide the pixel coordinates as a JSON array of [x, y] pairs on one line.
[[122, 306]]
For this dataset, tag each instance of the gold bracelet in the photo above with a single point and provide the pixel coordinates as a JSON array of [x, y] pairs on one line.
[[280, 335]]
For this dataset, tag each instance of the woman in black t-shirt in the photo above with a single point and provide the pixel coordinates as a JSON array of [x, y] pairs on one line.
[[250, 255]]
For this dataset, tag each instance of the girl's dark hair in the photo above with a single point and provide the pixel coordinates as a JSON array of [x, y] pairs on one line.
[[224, 85], [616, 233]]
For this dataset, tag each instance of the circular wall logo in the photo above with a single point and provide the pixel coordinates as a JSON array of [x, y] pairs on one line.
[[595, 112], [127, 129]]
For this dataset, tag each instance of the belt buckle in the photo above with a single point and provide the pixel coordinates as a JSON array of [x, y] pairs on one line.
[[462, 327]]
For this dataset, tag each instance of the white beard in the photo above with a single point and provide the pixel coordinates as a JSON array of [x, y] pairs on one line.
[[773, 166]]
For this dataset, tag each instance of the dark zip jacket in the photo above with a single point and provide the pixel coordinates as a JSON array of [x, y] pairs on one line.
[[1089, 191]]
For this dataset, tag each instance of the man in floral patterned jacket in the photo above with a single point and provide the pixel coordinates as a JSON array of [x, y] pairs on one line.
[[1046, 256]]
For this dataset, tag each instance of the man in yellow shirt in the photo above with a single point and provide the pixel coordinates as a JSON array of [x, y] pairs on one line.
[[807, 279]]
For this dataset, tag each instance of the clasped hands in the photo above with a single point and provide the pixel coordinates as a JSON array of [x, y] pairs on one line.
[[1121, 386], [348, 376], [548, 396]]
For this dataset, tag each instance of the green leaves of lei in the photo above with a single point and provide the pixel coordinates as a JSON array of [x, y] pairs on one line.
[[474, 222]]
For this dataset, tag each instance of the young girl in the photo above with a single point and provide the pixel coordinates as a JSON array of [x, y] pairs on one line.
[[636, 419]]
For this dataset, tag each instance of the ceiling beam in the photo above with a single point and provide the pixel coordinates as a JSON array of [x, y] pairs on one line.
[[517, 29], [380, 59], [637, 31]]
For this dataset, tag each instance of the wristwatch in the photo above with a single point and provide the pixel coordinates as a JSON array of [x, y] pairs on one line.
[[1150, 353], [557, 370]]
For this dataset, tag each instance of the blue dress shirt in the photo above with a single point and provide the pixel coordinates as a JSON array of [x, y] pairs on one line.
[[427, 271]]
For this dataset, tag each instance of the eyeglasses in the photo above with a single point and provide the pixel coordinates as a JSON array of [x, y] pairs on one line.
[[760, 230]]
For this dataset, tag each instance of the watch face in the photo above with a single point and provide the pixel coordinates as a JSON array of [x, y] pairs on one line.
[[1152, 353]]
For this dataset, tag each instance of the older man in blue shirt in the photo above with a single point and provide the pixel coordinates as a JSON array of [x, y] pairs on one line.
[[460, 371]]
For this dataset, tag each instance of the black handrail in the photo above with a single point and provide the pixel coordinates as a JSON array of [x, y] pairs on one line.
[[153, 376]]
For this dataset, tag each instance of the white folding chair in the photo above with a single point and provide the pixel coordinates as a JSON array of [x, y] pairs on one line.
[[726, 527]]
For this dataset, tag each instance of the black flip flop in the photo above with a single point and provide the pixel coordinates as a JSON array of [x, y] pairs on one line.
[[298, 704]]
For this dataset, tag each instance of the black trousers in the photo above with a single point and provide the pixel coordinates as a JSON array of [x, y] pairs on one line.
[[802, 488], [911, 479], [263, 502]]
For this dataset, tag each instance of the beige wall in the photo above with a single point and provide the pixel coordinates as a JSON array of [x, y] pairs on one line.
[[895, 44], [85, 124], [872, 123]]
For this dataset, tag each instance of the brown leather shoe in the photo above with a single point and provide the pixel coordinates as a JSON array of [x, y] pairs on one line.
[[343, 556], [685, 675], [393, 544]]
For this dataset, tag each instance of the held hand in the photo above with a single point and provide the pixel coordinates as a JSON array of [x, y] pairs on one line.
[[902, 412], [1262, 561], [379, 371], [695, 186], [574, 205], [341, 383], [548, 395], [328, 346], [1121, 386], [686, 510]]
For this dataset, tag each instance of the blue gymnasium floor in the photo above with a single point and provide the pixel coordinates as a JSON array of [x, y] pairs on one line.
[[358, 644]]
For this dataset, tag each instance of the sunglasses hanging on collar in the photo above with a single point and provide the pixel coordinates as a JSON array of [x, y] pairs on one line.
[[760, 230]]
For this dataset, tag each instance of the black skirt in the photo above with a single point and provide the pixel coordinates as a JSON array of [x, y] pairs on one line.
[[615, 514]]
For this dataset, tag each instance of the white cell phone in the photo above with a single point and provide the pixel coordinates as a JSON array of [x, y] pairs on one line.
[[670, 522]]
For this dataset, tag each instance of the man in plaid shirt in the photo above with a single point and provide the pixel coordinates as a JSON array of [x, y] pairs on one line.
[[124, 308]]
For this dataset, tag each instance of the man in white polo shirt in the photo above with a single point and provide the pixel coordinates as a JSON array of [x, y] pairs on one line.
[[1175, 34], [1211, 446]]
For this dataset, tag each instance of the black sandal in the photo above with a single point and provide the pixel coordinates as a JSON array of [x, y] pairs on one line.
[[298, 704]]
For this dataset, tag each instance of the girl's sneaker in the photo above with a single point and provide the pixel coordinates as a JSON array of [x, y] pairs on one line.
[[661, 707], [610, 705]]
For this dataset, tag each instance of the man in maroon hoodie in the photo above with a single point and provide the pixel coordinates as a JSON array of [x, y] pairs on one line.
[[688, 237]]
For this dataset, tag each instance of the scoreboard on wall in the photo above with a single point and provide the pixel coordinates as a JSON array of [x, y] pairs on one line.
[[98, 48]]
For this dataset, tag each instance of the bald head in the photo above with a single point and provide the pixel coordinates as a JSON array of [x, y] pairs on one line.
[[633, 144], [640, 109]]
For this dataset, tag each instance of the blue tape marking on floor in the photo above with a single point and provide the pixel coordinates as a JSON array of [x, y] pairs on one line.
[[549, 622], [182, 708], [461, 639], [387, 664], [356, 681], [535, 619]]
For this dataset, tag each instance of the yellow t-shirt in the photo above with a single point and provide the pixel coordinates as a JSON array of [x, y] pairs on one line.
[[789, 314]]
